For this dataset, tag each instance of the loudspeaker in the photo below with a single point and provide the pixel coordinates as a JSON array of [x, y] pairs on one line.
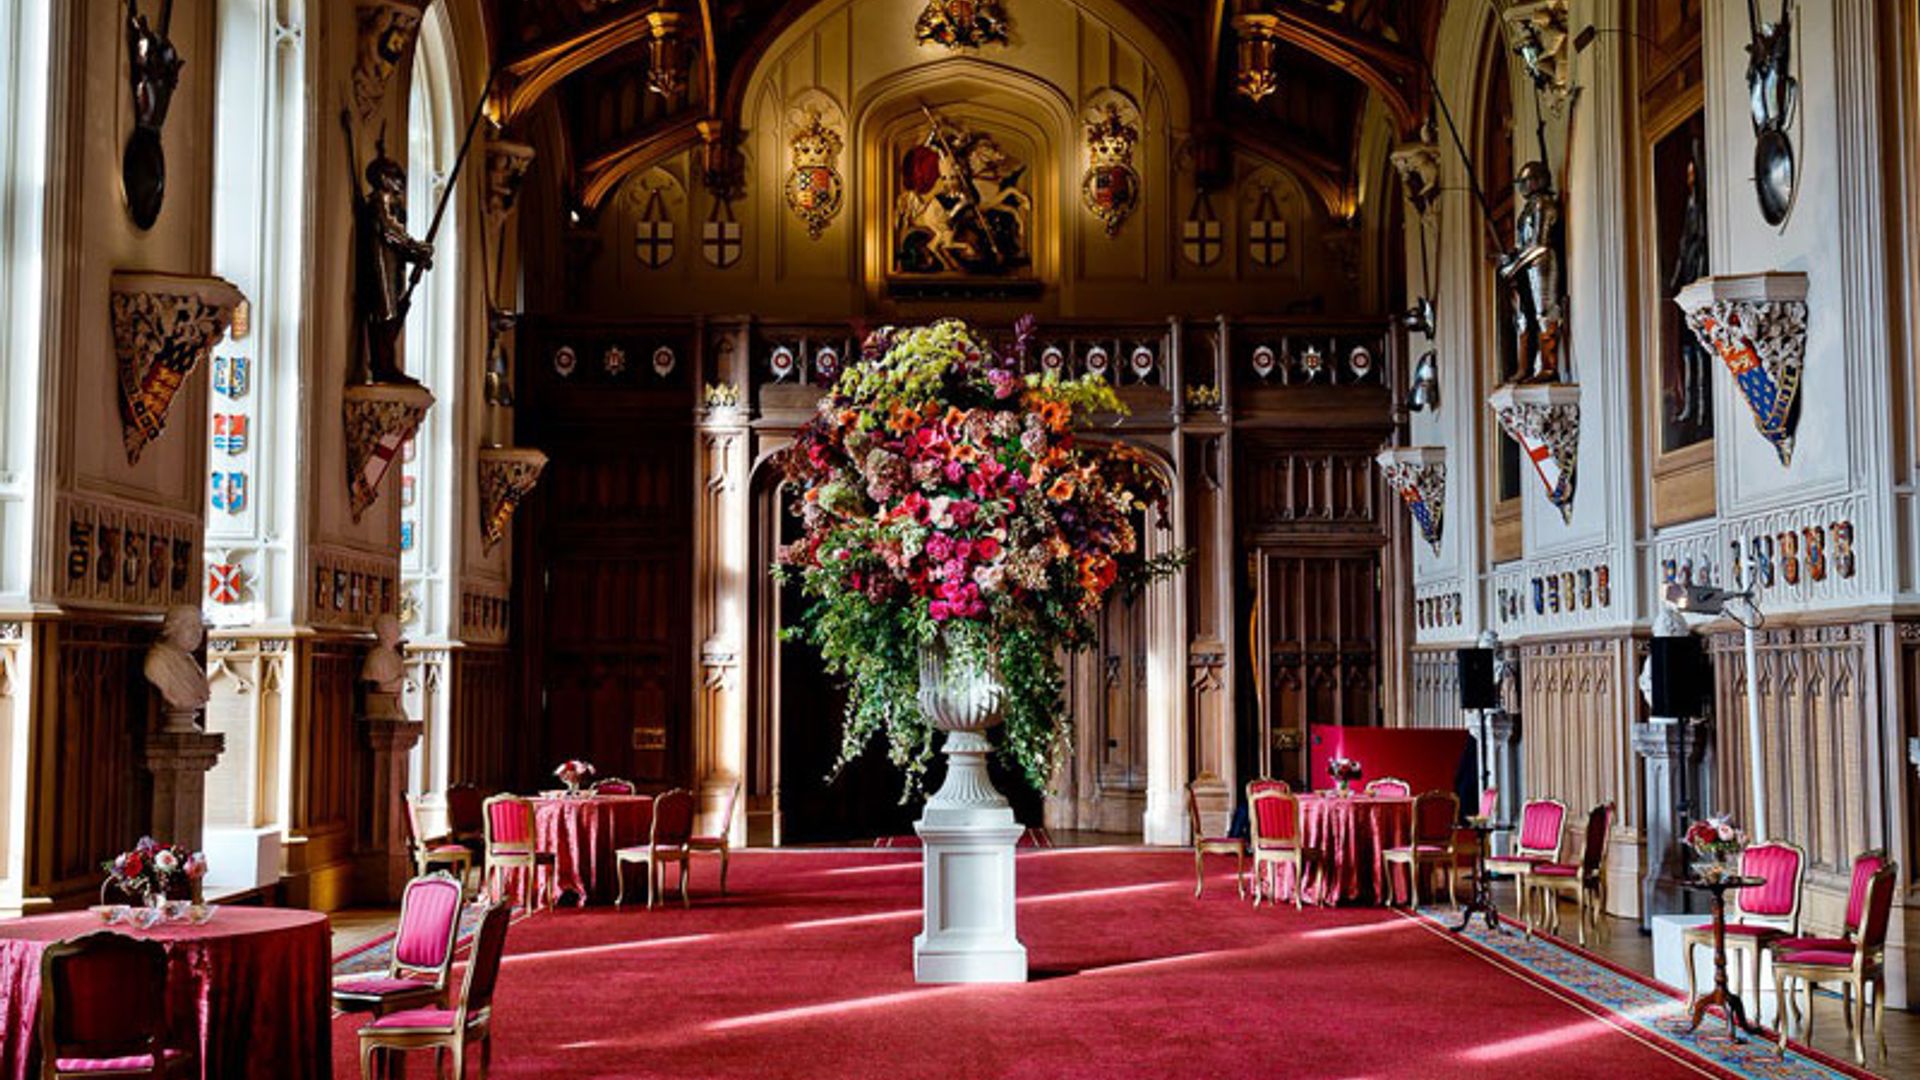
[[1680, 676], [1477, 688]]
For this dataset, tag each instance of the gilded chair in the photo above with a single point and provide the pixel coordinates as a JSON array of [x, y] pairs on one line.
[[1859, 967], [1540, 840], [422, 956], [431, 851], [511, 847], [1267, 783], [1434, 816], [613, 785], [1585, 881], [1204, 845], [1392, 787], [448, 1030], [716, 841], [1273, 817], [667, 841], [1756, 917], [1865, 865], [103, 1009]]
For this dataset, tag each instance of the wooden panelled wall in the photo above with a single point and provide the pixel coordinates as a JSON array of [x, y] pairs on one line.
[[330, 766], [486, 747]]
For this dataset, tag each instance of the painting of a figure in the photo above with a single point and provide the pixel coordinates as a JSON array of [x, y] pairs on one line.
[[1686, 367], [961, 208]]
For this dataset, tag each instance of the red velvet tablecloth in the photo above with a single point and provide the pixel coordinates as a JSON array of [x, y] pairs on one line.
[[1344, 837], [583, 833], [248, 990]]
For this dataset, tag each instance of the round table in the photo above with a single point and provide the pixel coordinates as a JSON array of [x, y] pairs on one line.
[[1728, 1001], [247, 991], [1344, 836], [583, 832]]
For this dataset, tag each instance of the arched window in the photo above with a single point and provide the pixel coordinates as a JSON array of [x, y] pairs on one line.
[[429, 537], [255, 484]]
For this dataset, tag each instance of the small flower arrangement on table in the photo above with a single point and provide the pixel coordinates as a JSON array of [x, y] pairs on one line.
[[571, 772], [1718, 843], [1344, 771], [151, 867]]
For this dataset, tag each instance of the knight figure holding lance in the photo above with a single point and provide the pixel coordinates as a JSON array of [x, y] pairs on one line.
[[1532, 272], [383, 254]]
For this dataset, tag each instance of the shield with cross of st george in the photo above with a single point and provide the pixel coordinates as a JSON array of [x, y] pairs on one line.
[[653, 234], [1201, 241], [720, 242], [1267, 232]]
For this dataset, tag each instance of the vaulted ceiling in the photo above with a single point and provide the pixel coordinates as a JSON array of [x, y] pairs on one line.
[[591, 56]]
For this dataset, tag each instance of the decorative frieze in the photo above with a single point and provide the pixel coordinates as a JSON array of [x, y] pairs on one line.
[[121, 554], [1544, 418], [1757, 323], [164, 325], [1550, 595], [1439, 611], [484, 608], [507, 474], [379, 418], [350, 589], [1419, 475]]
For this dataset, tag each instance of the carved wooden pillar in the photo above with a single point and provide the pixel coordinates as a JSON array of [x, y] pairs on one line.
[[1205, 446], [723, 574], [179, 762], [383, 863]]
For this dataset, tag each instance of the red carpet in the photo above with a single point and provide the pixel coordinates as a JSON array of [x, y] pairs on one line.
[[806, 971]]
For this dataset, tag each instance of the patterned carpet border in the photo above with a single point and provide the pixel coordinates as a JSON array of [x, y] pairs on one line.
[[1639, 1005]]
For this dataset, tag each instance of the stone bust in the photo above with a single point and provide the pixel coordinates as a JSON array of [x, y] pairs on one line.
[[171, 666], [385, 671]]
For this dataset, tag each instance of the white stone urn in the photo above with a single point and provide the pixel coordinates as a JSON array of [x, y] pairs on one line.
[[968, 832]]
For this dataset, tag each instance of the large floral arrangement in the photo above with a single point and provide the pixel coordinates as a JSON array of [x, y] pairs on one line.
[[1715, 837], [152, 866], [946, 499]]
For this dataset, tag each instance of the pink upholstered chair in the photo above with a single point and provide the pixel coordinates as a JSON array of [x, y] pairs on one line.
[[1860, 966], [448, 1029], [1273, 818], [1204, 845], [1392, 787], [511, 847], [613, 785], [422, 955], [716, 840], [103, 1009], [1756, 917], [1542, 822], [1585, 881], [1865, 865], [1267, 783], [431, 851], [1434, 816], [666, 843]]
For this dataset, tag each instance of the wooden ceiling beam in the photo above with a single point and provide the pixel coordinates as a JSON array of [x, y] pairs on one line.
[[523, 82], [1386, 69], [602, 176]]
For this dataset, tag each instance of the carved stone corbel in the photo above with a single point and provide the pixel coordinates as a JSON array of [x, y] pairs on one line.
[[1419, 475], [1758, 325], [387, 29], [507, 474], [1418, 165], [507, 165], [164, 325], [379, 418], [1544, 418]]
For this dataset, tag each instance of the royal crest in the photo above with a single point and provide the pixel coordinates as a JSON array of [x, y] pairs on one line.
[[962, 24], [1110, 187], [814, 188], [1757, 323]]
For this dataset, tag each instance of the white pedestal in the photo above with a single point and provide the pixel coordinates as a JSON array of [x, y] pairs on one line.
[[967, 895], [1670, 965], [241, 858]]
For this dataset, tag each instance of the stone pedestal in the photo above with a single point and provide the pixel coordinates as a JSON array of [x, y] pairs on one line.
[[968, 832], [383, 864], [1499, 732], [179, 761], [1670, 759]]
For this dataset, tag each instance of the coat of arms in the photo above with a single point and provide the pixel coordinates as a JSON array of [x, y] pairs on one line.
[[224, 583], [653, 234], [229, 491], [962, 24], [720, 240], [1110, 187], [1201, 242], [814, 188], [1267, 232], [230, 432]]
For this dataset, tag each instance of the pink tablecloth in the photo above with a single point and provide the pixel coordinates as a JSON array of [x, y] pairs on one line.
[[583, 834], [1344, 839], [248, 990]]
